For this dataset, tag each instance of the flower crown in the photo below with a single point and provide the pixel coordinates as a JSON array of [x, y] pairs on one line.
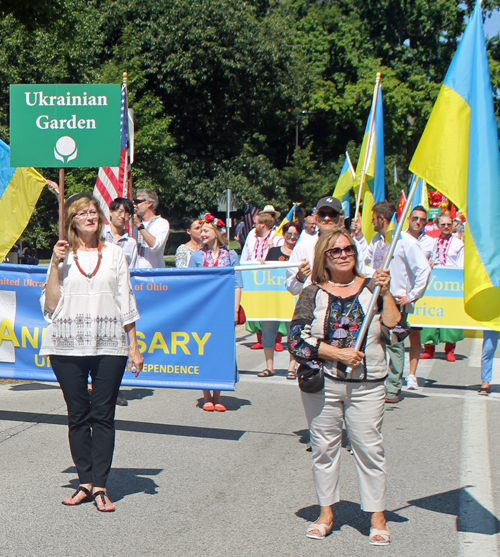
[[207, 218]]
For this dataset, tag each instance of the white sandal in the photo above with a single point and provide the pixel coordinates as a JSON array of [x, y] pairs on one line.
[[324, 530], [384, 534]]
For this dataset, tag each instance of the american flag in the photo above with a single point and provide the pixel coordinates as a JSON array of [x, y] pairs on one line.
[[250, 212], [113, 181]]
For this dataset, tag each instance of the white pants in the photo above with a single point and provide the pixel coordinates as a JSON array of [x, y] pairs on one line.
[[361, 405]]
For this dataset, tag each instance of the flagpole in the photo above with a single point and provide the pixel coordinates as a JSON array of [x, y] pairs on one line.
[[368, 144], [385, 265], [61, 204], [128, 194], [351, 167]]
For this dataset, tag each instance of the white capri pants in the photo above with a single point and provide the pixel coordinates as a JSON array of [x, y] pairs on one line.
[[361, 405]]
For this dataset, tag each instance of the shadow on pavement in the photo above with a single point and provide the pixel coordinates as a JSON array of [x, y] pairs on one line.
[[475, 518], [348, 513], [124, 481], [137, 427], [34, 386], [136, 393], [232, 403]]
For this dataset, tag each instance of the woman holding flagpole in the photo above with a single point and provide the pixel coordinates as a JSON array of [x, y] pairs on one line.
[[324, 332], [89, 302]]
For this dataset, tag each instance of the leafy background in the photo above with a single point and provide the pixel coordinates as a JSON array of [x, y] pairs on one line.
[[260, 96]]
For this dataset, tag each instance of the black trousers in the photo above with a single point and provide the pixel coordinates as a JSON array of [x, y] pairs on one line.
[[91, 416]]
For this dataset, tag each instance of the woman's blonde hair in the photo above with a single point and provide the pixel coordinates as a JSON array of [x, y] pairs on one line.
[[326, 241], [72, 207], [222, 241]]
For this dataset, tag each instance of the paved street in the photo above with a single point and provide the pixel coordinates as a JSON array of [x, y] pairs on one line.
[[192, 483]]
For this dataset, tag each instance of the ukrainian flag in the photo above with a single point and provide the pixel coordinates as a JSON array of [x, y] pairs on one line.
[[420, 197], [290, 216], [345, 182], [375, 169], [20, 189], [458, 155]]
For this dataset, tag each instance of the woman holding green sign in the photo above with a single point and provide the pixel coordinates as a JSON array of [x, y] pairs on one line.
[[90, 305]]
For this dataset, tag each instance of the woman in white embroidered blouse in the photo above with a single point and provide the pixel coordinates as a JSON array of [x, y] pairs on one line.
[[90, 305], [185, 251]]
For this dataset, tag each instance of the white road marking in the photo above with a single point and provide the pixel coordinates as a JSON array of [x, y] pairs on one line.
[[475, 352], [476, 518]]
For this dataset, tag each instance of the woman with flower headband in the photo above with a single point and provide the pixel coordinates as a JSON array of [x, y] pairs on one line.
[[324, 332], [90, 305], [215, 253]]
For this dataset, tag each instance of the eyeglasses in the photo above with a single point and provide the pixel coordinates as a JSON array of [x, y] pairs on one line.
[[123, 213], [138, 200], [330, 214], [445, 224], [84, 214], [419, 219], [291, 236], [335, 253]]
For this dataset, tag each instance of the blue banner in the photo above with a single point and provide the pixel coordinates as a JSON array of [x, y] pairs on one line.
[[185, 333]]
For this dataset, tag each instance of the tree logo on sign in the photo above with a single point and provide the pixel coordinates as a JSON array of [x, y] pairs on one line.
[[65, 149]]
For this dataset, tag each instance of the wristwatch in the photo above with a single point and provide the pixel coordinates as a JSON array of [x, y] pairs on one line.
[[141, 227]]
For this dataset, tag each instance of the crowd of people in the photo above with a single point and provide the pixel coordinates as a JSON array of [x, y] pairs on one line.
[[335, 275]]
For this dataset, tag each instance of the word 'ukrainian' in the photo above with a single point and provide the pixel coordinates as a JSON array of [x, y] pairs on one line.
[[69, 100]]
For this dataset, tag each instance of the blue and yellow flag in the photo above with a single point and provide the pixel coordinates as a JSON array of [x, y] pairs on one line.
[[458, 155], [375, 169], [420, 197], [20, 189], [366, 216], [290, 216], [345, 182]]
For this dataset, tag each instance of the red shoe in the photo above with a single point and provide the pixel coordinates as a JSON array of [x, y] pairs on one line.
[[258, 344], [209, 407], [449, 350], [220, 408], [428, 352]]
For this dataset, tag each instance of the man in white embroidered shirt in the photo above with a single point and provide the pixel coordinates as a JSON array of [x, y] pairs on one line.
[[258, 244], [151, 230], [410, 272]]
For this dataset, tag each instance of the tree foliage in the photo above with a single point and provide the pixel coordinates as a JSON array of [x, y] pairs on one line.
[[261, 96]]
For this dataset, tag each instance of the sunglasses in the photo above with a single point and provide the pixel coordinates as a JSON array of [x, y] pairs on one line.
[[446, 224], [331, 214], [419, 219], [291, 236], [335, 253], [137, 201]]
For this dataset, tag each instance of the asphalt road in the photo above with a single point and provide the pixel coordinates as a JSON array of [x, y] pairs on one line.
[[192, 483]]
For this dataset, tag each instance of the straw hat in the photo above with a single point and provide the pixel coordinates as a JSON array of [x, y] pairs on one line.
[[271, 210]]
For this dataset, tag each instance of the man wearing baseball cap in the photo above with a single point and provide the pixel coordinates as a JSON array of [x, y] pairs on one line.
[[329, 215]]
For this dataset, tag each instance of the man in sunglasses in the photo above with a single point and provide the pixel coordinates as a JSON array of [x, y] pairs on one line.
[[410, 272], [416, 228], [329, 215], [151, 230], [448, 252]]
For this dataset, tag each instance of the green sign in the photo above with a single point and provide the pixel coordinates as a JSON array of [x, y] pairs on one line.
[[434, 212], [65, 125]]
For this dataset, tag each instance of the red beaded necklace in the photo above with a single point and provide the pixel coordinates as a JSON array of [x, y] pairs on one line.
[[94, 272]]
